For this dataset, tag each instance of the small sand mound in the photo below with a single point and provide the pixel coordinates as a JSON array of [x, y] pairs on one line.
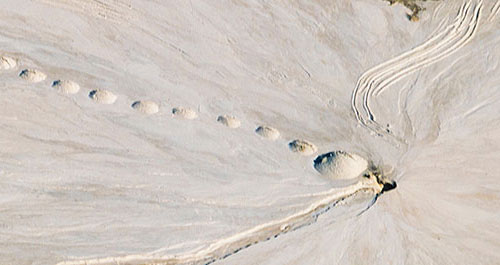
[[145, 106], [340, 165], [229, 121], [102, 96], [7, 63], [66, 86], [184, 113], [303, 147], [32, 75], [267, 132]]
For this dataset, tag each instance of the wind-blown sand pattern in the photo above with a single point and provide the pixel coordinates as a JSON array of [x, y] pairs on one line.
[[87, 185]]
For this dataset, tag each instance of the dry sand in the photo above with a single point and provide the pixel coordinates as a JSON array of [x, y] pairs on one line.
[[83, 183]]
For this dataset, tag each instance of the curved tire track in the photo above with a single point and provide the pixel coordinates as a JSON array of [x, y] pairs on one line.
[[376, 80]]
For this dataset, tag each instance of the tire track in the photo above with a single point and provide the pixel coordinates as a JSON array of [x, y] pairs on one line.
[[494, 11], [376, 80]]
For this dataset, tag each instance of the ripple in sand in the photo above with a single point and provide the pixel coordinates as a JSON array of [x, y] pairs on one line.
[[32, 75], [184, 113], [229, 121], [66, 86], [340, 165], [303, 147], [145, 106], [102, 96], [268, 132]]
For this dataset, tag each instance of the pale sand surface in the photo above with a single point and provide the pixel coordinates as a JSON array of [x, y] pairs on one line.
[[87, 183]]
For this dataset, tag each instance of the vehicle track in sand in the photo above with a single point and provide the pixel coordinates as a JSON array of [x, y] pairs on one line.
[[444, 43]]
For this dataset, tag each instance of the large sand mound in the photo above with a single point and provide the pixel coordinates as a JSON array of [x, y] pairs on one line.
[[340, 165]]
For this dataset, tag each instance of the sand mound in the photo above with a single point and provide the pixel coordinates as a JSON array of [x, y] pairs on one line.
[[303, 147], [7, 63], [32, 75], [267, 132], [184, 113], [229, 121], [102, 96], [340, 165], [66, 86], [145, 106]]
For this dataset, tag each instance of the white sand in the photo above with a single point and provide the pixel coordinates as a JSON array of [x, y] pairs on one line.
[[85, 184]]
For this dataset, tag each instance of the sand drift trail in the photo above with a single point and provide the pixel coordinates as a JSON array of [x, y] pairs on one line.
[[231, 245], [374, 81]]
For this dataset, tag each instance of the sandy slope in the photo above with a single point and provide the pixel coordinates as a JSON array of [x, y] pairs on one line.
[[81, 180]]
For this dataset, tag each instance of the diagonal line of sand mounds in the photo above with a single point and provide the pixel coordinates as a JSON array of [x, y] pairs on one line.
[[66, 86], [32, 75], [7, 63], [102, 96], [443, 44]]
